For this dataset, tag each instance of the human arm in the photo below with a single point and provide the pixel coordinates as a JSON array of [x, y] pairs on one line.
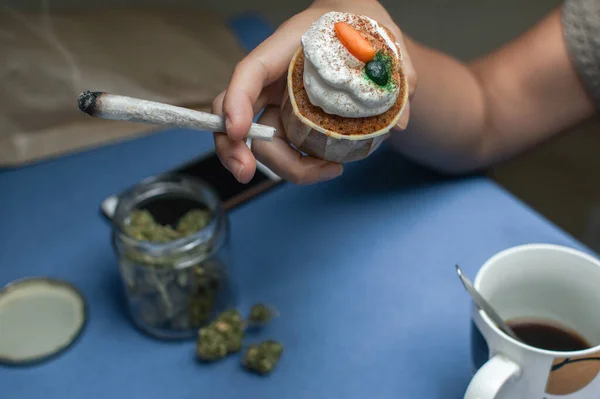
[[463, 116], [466, 116]]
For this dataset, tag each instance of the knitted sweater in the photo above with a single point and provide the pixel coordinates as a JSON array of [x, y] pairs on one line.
[[581, 24]]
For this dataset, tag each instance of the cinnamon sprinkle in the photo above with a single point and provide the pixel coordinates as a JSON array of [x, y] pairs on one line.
[[345, 125]]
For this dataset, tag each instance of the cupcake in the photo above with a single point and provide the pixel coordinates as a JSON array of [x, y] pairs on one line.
[[345, 88]]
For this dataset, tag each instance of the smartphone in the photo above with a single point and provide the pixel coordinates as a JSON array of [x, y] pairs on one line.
[[209, 169]]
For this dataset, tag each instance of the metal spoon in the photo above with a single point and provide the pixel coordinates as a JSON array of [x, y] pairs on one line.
[[484, 305]]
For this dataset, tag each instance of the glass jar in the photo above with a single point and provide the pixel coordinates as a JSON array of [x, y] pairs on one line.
[[174, 287]]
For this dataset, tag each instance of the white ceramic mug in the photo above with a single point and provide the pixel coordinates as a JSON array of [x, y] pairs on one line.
[[538, 281]]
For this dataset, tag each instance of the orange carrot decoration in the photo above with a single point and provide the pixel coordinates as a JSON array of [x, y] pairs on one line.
[[354, 42]]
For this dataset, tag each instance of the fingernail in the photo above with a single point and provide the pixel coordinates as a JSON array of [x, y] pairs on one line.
[[330, 172], [227, 123], [403, 122], [235, 167]]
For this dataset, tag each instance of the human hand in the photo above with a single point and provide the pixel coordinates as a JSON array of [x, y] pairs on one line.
[[259, 81]]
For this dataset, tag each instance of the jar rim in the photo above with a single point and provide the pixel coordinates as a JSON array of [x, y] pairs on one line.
[[169, 184]]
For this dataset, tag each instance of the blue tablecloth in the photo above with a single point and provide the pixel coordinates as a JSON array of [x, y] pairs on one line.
[[361, 269]]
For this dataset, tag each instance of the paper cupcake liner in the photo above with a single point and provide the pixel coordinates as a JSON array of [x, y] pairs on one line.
[[319, 142]]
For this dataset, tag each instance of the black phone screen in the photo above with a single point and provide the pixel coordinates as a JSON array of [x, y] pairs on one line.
[[231, 192]]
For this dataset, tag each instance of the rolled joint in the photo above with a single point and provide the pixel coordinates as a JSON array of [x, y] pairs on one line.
[[87, 101]]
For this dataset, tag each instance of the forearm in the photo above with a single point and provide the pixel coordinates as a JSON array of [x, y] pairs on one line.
[[469, 116], [447, 112]]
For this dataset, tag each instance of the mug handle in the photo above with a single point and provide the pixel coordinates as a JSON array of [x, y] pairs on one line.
[[491, 377]]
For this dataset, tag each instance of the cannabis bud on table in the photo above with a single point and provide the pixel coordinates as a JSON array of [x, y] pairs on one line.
[[261, 314], [263, 357], [223, 336], [226, 333]]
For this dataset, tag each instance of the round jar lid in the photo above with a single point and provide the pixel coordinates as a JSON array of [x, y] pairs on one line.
[[39, 318]]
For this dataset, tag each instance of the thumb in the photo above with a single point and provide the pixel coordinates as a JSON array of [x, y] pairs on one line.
[[263, 66]]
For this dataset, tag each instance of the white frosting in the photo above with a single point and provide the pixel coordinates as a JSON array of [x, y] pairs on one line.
[[334, 79]]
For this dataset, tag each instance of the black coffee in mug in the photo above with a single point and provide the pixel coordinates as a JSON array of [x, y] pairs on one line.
[[548, 334], [550, 297]]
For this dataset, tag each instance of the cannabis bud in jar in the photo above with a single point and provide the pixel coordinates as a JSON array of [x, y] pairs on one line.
[[192, 222], [262, 358], [171, 236], [142, 226]]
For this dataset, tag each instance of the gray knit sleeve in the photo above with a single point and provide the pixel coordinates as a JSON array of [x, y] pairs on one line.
[[581, 24]]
